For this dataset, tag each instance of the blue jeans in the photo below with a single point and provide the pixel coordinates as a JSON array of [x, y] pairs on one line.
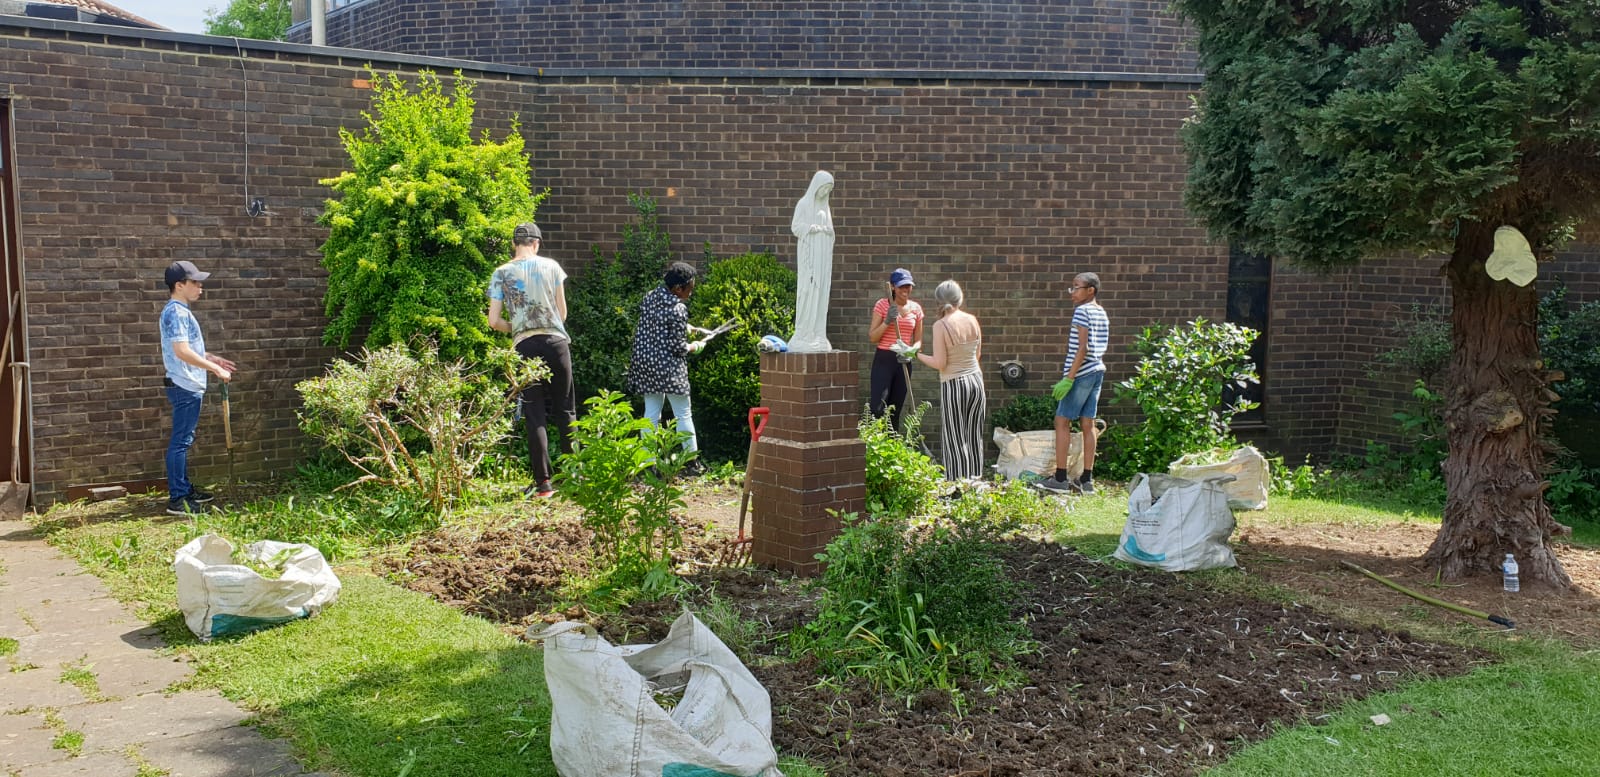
[[680, 411], [185, 417], [1083, 400]]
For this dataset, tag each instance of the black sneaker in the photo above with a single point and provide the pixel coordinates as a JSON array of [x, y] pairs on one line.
[[185, 507], [695, 468], [1062, 486], [201, 497], [1084, 486]]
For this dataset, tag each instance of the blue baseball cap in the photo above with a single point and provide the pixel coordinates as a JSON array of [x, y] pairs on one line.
[[901, 277]]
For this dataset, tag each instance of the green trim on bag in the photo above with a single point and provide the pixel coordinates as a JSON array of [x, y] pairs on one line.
[[690, 770], [233, 625]]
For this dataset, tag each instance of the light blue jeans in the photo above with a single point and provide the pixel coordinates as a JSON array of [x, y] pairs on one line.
[[680, 411]]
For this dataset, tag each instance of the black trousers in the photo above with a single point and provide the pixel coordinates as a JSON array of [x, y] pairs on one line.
[[889, 386], [554, 398]]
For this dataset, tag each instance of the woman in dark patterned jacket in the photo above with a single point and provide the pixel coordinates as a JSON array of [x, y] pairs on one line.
[[659, 370]]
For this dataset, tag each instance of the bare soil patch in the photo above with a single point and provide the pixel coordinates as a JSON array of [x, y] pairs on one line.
[[1306, 559], [1138, 672]]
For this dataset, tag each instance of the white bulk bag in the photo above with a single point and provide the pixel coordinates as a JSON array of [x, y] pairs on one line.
[[1176, 524], [220, 598], [1031, 456], [604, 719], [1250, 470]]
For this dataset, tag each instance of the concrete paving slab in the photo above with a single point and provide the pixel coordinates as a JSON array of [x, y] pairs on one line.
[[138, 672], [25, 740], [86, 765], [63, 644], [36, 688], [152, 717], [232, 752], [60, 615]]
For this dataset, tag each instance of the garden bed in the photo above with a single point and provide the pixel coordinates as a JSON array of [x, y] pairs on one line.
[[1136, 672]]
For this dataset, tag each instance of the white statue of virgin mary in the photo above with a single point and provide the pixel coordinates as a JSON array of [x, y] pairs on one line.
[[813, 225]]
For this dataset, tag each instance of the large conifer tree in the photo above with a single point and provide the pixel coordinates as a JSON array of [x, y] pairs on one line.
[[1332, 131]]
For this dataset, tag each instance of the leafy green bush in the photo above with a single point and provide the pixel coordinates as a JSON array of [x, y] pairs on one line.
[[421, 220], [758, 292], [603, 301], [1424, 348], [414, 423], [635, 532], [1567, 342], [1026, 413], [1179, 384], [912, 608], [902, 481]]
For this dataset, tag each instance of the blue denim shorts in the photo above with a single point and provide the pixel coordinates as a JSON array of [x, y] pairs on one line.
[[1083, 400]]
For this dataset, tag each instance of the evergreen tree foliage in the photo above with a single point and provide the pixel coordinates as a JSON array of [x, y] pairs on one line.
[[258, 19], [421, 220], [603, 301], [1330, 132]]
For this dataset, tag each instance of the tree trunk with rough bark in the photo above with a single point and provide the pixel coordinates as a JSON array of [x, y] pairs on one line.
[[1497, 404]]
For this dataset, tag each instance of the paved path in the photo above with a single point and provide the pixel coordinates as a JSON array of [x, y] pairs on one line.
[[62, 619]]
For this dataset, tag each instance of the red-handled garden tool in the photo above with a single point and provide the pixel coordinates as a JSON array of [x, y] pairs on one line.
[[742, 544]]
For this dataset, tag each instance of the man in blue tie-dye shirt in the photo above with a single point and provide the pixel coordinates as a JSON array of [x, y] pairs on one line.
[[183, 353]]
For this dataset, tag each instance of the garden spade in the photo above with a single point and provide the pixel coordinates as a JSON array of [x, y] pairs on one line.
[[227, 431], [741, 545]]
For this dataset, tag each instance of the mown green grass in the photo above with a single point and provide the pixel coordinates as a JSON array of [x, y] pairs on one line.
[[389, 678], [1534, 714]]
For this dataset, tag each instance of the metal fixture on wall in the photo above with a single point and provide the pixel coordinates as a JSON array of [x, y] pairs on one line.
[[1012, 373]]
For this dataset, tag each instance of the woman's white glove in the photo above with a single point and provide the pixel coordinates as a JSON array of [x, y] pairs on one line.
[[697, 346]]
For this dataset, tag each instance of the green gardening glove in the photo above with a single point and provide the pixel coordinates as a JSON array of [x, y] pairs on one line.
[[1059, 391]]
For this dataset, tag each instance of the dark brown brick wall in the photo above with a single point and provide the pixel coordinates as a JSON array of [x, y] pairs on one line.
[[131, 152], [1141, 36], [810, 464]]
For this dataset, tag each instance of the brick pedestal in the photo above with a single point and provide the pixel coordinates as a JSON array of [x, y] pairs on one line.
[[810, 459]]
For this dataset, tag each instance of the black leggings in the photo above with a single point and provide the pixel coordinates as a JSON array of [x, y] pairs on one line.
[[889, 386], [552, 398]]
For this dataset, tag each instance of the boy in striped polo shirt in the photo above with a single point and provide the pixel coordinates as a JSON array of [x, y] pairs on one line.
[[1091, 332]]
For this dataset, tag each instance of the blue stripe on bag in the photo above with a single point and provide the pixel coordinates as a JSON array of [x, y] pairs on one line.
[[233, 625], [1131, 547]]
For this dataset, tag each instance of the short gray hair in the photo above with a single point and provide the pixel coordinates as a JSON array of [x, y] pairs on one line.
[[949, 296]]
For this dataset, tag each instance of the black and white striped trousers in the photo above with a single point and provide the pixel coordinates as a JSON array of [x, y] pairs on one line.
[[963, 407]]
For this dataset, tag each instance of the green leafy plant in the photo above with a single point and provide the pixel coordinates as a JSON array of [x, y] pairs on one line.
[[1287, 481], [415, 423], [1574, 493], [1567, 341], [421, 220], [603, 301], [913, 606], [1423, 346], [1179, 384], [902, 481], [1026, 413], [623, 476], [758, 292]]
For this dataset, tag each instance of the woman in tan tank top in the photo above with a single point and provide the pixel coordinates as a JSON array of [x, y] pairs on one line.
[[963, 404]]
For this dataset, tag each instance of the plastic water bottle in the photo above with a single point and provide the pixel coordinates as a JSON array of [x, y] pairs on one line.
[[1512, 585]]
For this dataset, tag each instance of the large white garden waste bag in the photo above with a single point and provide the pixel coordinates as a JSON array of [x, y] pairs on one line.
[[605, 719], [220, 598], [1176, 524], [1031, 456], [1250, 471]]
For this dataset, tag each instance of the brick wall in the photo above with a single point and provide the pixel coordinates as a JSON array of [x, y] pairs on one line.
[[1142, 36], [132, 152]]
